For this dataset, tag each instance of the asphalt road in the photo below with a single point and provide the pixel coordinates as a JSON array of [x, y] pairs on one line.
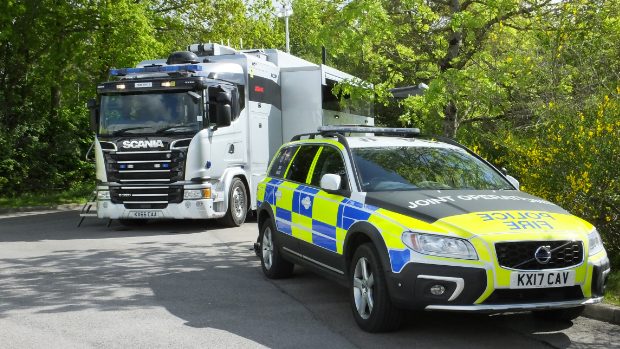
[[190, 284]]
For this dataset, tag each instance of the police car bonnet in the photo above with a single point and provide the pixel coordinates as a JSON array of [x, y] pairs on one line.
[[432, 205]]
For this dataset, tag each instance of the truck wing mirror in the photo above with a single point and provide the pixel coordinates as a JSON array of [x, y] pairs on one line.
[[93, 114], [223, 114], [224, 98], [91, 103]]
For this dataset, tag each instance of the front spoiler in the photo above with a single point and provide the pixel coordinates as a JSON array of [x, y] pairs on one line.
[[494, 308]]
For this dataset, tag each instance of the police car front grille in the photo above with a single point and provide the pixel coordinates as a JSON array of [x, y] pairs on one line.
[[151, 167], [534, 295], [519, 255], [130, 195]]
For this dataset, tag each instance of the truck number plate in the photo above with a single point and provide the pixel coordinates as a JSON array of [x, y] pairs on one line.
[[146, 214], [542, 279]]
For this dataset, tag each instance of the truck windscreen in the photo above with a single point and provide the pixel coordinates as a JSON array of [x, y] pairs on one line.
[[152, 112]]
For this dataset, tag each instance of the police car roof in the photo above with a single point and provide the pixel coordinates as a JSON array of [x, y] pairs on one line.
[[379, 141]]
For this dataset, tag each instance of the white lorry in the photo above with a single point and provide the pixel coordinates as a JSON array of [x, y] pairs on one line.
[[191, 136]]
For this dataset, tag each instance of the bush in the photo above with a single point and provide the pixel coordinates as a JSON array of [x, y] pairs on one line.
[[569, 157]]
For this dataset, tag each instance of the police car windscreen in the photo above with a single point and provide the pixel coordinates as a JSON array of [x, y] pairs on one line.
[[423, 168], [149, 113]]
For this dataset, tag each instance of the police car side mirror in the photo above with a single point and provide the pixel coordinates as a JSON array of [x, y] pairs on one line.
[[93, 114], [513, 181], [330, 181]]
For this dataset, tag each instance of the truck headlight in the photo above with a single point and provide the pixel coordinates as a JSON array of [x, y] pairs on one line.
[[103, 195], [439, 245], [196, 194], [595, 244]]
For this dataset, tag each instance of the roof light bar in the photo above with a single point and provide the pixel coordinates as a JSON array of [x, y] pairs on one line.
[[164, 69], [388, 130]]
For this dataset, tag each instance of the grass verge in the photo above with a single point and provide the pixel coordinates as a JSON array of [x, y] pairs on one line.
[[77, 194]]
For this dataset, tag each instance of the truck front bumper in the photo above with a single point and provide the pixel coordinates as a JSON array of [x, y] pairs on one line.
[[187, 209]]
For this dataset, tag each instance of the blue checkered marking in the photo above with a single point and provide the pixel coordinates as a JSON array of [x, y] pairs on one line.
[[324, 242], [284, 227], [324, 228], [399, 259], [269, 194], [309, 190], [353, 203], [284, 214], [371, 207], [356, 214]]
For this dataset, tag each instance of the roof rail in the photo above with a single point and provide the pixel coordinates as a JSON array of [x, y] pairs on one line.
[[384, 130]]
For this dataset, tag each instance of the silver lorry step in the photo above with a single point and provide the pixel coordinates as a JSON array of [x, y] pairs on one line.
[[86, 212]]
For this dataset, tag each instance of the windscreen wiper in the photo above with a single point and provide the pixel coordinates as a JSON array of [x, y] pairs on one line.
[[118, 132], [164, 129]]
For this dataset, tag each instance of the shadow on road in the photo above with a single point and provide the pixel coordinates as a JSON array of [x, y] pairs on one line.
[[213, 284]]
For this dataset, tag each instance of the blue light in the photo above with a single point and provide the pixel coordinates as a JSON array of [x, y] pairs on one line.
[[152, 69], [169, 68], [194, 67], [165, 165], [135, 70], [123, 166]]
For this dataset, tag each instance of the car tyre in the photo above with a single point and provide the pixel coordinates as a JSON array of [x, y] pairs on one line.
[[370, 300], [560, 315], [274, 265], [237, 205], [133, 222]]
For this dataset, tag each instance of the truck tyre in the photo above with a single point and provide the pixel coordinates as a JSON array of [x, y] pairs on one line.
[[237, 205], [560, 315], [133, 222], [274, 266], [370, 301]]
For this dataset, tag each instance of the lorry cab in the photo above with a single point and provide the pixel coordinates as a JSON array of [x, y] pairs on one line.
[[191, 136]]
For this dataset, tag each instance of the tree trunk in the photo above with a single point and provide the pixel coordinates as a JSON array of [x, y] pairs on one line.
[[450, 121]]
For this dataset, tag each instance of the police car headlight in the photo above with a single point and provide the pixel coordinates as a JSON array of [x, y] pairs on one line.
[[439, 245], [103, 195], [197, 194], [595, 244]]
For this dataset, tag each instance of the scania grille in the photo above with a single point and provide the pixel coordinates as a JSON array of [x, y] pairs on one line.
[[534, 295], [145, 167], [146, 194], [521, 255]]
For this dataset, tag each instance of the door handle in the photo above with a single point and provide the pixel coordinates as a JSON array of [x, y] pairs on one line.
[[231, 149], [306, 202], [278, 194]]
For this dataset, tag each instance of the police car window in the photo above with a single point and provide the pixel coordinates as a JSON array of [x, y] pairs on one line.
[[298, 171], [281, 162], [419, 168], [330, 161]]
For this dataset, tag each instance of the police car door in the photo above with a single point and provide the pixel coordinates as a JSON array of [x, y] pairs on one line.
[[287, 193], [320, 217]]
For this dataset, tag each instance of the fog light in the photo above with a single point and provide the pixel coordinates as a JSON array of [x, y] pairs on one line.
[[105, 205], [187, 204], [199, 204], [438, 290]]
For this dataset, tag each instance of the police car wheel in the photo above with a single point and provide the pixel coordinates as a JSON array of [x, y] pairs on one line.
[[237, 205], [274, 266], [561, 315], [370, 301], [132, 222]]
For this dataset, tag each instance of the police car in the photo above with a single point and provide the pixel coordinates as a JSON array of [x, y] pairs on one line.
[[412, 222]]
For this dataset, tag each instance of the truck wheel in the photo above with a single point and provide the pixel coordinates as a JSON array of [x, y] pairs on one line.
[[237, 205], [561, 315], [274, 266], [133, 222], [370, 301]]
